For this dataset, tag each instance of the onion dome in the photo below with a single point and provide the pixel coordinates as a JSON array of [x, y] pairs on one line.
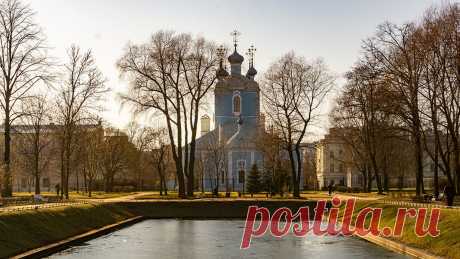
[[235, 58], [252, 72], [221, 72]]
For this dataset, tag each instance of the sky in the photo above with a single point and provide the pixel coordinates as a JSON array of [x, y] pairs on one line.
[[332, 30]]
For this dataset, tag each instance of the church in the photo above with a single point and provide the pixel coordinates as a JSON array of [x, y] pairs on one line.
[[228, 152]]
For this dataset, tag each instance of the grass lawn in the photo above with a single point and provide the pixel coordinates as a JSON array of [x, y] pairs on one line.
[[25, 230], [99, 195], [447, 244], [79, 195]]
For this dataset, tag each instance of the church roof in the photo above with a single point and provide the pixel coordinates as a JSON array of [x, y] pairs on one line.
[[235, 58], [221, 72], [243, 138], [237, 82], [251, 72]]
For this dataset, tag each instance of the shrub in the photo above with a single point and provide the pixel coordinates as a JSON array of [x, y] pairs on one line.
[[356, 189], [341, 188]]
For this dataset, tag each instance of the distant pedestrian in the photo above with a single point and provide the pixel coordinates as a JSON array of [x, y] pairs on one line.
[[58, 189], [449, 193], [330, 187]]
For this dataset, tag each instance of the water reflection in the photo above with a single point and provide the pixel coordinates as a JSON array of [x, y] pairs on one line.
[[171, 238]]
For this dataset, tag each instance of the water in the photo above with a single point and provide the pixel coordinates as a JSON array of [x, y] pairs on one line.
[[172, 238]]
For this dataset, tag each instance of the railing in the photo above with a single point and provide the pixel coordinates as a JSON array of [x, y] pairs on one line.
[[37, 206], [410, 204]]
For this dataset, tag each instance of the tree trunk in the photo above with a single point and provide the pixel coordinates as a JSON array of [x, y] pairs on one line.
[[7, 188], [369, 179], [165, 187], [293, 172], [37, 184], [298, 173], [36, 170], [435, 171], [90, 187], [419, 163]]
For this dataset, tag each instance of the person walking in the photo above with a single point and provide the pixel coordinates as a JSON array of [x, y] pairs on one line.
[[449, 192], [330, 187]]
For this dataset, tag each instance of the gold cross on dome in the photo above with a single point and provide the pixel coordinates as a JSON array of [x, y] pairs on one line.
[[251, 53], [235, 34]]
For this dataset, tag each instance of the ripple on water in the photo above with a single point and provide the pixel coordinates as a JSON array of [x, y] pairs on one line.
[[189, 239]]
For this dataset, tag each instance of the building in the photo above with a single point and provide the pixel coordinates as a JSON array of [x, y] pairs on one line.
[[310, 181], [334, 162], [22, 138], [228, 152]]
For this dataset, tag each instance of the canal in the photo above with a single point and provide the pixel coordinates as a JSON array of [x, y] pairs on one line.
[[173, 238]]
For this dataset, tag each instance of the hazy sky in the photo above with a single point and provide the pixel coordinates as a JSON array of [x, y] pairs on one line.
[[329, 29]]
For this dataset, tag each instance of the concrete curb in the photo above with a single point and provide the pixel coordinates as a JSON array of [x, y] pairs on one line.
[[68, 242], [398, 247]]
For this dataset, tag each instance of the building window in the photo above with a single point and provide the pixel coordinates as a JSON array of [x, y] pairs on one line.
[[46, 182], [332, 168], [241, 170], [341, 168], [236, 103]]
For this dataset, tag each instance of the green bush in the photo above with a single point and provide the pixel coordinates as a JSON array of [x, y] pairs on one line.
[[341, 188], [356, 189]]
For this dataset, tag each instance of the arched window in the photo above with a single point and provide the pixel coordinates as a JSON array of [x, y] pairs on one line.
[[236, 103]]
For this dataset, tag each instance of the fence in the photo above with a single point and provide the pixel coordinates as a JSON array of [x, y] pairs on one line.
[[409, 204], [37, 206]]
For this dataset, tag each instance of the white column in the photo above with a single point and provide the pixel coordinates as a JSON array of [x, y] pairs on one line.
[[349, 177]]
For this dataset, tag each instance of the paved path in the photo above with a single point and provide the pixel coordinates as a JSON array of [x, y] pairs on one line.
[[124, 198]]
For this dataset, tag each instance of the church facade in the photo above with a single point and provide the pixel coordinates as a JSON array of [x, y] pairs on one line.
[[228, 152]]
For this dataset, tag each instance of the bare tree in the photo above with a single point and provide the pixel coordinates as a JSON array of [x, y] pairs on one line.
[[153, 71], [23, 63], [398, 53], [114, 156], [169, 76], [199, 74], [293, 93], [35, 142], [79, 95], [216, 157], [91, 156], [270, 143], [142, 139], [160, 156]]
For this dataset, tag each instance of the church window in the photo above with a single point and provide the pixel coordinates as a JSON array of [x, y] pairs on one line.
[[241, 170], [236, 103]]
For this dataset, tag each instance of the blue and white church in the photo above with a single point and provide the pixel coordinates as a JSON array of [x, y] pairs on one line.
[[228, 152]]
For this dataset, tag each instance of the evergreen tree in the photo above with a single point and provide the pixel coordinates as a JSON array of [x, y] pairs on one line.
[[253, 184], [267, 181]]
